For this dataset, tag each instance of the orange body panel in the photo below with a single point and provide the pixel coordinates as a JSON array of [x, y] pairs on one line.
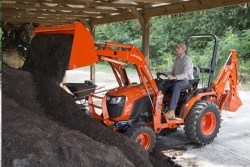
[[132, 92], [83, 51], [186, 107]]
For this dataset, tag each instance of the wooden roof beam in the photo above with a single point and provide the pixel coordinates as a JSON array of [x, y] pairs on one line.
[[40, 12], [45, 7], [42, 16], [155, 1], [177, 8], [82, 2], [137, 15], [190, 6], [38, 20]]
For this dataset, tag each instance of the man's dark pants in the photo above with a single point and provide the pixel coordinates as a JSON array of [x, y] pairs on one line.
[[176, 86]]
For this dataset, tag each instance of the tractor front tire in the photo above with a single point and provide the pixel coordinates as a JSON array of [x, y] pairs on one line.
[[142, 135], [202, 122]]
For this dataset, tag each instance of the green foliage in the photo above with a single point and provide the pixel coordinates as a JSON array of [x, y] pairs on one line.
[[244, 51], [128, 33], [230, 24]]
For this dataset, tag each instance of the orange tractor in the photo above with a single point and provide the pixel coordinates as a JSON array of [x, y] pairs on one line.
[[137, 109]]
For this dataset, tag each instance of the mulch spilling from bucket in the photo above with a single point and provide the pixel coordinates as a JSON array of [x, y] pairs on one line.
[[42, 125], [50, 55]]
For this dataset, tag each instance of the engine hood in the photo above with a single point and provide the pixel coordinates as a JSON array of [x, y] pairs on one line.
[[133, 91]]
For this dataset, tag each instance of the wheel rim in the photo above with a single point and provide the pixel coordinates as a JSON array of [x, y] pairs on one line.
[[208, 123], [144, 140]]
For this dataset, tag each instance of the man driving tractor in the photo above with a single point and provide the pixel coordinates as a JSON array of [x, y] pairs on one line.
[[180, 75]]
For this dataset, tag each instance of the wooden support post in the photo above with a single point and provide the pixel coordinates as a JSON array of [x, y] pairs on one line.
[[145, 38], [92, 31], [92, 68], [145, 31]]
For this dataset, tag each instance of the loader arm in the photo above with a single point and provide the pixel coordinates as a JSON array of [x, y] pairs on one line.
[[228, 95], [121, 54], [85, 51]]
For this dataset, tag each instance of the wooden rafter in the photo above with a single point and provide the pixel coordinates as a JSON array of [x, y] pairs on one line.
[[137, 14], [176, 8], [94, 12]]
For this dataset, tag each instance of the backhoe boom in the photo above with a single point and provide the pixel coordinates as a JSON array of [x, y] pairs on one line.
[[228, 99]]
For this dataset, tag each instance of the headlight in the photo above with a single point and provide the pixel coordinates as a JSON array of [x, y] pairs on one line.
[[114, 100]]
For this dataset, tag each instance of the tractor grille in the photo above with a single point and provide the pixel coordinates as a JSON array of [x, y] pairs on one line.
[[115, 110]]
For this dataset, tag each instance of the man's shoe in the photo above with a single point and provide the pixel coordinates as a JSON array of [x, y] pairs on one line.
[[170, 114]]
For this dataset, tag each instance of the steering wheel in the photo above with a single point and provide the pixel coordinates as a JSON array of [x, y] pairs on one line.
[[160, 79]]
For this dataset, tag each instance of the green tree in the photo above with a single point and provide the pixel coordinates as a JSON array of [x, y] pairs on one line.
[[230, 24]]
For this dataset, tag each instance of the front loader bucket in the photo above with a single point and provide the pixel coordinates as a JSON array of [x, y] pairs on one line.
[[83, 51], [231, 103]]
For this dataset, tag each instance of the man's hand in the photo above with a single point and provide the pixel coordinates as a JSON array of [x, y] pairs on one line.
[[171, 77]]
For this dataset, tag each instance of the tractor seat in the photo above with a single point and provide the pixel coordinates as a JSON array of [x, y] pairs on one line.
[[193, 82]]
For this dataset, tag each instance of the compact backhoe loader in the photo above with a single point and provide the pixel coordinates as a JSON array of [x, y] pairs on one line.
[[137, 109]]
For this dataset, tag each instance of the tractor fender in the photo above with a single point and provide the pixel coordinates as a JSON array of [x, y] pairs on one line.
[[187, 106]]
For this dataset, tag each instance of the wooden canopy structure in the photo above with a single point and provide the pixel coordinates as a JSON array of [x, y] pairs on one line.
[[96, 12]]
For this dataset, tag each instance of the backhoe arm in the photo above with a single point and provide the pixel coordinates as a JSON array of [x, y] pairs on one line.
[[228, 95]]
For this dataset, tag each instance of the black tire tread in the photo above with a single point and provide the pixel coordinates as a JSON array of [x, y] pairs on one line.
[[191, 121], [135, 130]]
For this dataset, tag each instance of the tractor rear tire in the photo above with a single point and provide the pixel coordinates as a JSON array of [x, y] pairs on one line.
[[142, 135], [202, 122]]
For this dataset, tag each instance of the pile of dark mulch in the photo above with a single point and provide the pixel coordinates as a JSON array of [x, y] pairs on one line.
[[30, 138], [42, 125]]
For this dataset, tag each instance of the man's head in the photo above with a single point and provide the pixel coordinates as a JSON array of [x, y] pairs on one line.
[[180, 49]]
